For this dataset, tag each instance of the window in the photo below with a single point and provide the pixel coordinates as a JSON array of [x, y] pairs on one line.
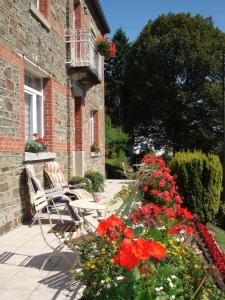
[[36, 3], [92, 128], [34, 106]]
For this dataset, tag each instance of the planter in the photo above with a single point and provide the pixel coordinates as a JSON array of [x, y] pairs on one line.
[[94, 154], [29, 156], [97, 197]]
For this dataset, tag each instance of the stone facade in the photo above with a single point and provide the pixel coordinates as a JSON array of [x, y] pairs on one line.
[[33, 40]]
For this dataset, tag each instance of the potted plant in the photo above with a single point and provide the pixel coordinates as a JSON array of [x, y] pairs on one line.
[[97, 180], [105, 47], [36, 144], [95, 148]]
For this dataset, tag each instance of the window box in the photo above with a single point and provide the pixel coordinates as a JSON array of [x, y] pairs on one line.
[[95, 154], [35, 11], [29, 156]]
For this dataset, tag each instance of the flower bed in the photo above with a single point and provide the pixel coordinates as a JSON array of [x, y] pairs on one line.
[[215, 252], [150, 255]]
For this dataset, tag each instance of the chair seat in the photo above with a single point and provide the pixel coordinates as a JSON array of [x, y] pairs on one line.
[[66, 226]]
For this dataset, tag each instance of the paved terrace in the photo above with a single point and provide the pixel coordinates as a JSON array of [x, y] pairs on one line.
[[22, 253]]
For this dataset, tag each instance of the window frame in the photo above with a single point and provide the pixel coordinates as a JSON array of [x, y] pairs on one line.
[[92, 127], [35, 93], [38, 4]]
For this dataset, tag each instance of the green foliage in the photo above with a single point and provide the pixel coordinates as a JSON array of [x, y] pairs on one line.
[[199, 178], [114, 79], [116, 140], [95, 148], [96, 179], [87, 182], [34, 145], [174, 81]]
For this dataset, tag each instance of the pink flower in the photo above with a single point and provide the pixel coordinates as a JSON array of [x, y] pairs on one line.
[[161, 183]]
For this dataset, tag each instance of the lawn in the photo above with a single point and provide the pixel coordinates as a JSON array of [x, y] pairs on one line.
[[219, 235]]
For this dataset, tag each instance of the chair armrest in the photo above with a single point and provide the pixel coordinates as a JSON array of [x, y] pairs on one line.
[[55, 192]]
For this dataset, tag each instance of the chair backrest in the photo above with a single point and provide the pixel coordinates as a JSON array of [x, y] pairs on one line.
[[55, 174], [37, 194]]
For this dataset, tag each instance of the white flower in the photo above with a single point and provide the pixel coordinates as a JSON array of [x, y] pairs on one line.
[[173, 297], [173, 276], [98, 293], [171, 284], [120, 277], [159, 289], [168, 278], [102, 281], [108, 285], [162, 228], [125, 217], [177, 239]]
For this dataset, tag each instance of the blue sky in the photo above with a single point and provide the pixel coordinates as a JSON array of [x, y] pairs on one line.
[[132, 15]]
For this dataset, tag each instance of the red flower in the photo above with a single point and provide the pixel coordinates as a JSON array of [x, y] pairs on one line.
[[34, 135], [128, 233], [142, 271], [154, 192], [142, 249], [131, 253], [190, 230], [175, 229], [110, 223], [157, 250], [145, 188], [126, 256], [161, 183], [169, 212]]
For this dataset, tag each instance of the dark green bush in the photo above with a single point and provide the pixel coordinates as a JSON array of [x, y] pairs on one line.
[[199, 180], [97, 180], [116, 140]]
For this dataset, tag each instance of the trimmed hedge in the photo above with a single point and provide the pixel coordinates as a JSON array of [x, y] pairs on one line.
[[199, 177]]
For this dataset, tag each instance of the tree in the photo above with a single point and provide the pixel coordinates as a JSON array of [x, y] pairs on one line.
[[114, 79], [174, 81]]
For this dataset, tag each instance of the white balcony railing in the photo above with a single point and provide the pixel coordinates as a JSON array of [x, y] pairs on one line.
[[83, 51]]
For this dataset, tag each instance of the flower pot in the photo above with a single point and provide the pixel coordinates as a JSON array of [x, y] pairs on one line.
[[97, 197]]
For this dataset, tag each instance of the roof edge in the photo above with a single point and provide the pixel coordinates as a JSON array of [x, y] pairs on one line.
[[102, 15]]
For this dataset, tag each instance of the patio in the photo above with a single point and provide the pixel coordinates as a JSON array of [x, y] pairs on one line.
[[22, 254]]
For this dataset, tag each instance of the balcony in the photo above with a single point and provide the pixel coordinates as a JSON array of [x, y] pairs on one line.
[[85, 63]]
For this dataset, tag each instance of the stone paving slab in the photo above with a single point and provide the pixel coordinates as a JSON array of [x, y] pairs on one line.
[[22, 253]]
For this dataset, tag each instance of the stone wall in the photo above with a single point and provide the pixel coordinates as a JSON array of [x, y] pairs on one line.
[[22, 31], [61, 117], [9, 95]]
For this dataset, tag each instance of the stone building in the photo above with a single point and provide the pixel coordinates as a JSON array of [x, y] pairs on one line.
[[51, 83]]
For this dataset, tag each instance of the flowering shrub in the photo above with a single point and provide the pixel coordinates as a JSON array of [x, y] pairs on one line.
[[148, 255], [36, 144], [105, 47]]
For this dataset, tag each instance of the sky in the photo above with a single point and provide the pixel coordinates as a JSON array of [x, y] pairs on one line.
[[133, 15]]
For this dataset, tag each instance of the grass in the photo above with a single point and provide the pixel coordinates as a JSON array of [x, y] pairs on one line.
[[219, 235]]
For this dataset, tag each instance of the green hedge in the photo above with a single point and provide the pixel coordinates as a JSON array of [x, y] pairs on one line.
[[199, 178]]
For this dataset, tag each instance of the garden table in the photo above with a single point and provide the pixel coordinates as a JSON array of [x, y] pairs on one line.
[[85, 205]]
